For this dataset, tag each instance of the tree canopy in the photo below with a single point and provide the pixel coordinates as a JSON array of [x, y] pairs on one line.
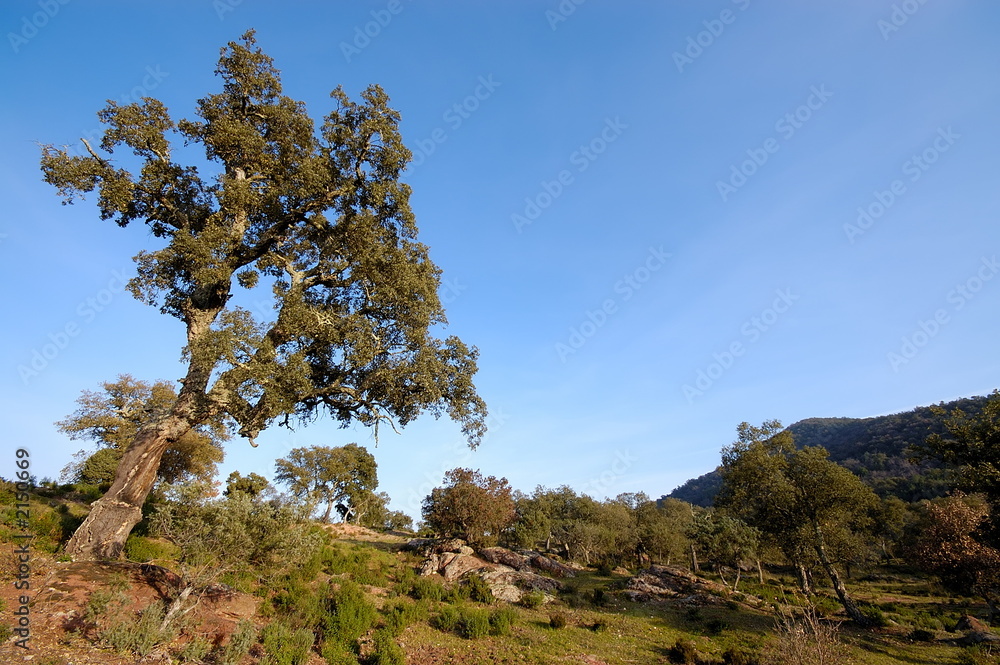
[[321, 474], [470, 506], [316, 217], [112, 417]]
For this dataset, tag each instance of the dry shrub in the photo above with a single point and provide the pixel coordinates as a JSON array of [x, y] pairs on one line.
[[805, 640]]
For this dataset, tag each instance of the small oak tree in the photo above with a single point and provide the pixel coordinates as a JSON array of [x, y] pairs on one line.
[[798, 498], [321, 474], [114, 416], [317, 219], [470, 506]]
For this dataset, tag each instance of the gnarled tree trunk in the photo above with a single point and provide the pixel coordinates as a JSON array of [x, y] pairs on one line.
[[845, 599], [102, 535]]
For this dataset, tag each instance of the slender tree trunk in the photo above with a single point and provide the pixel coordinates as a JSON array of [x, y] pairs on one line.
[[103, 533], [694, 560], [760, 573], [736, 584], [805, 585], [845, 599], [326, 515]]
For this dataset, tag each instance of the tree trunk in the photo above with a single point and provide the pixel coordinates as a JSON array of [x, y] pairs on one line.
[[102, 535], [845, 599], [326, 515], [694, 560], [760, 573], [805, 585]]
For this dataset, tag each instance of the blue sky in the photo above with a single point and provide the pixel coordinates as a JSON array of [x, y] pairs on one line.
[[655, 220]]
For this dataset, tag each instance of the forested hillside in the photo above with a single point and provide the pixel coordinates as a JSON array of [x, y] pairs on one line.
[[876, 449]]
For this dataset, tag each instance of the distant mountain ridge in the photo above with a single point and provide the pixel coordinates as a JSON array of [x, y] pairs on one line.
[[873, 448]]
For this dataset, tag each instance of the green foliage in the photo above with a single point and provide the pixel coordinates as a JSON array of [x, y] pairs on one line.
[[195, 650], [738, 655], [112, 418], [386, 651], [448, 619], [424, 588], [533, 599], [252, 484], [284, 645], [239, 644], [479, 590], [683, 651], [349, 614], [397, 616], [979, 654], [336, 653], [138, 634], [141, 549], [502, 620], [474, 623], [557, 620], [321, 474], [470, 506]]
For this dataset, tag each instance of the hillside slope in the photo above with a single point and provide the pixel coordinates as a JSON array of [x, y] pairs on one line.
[[874, 448]]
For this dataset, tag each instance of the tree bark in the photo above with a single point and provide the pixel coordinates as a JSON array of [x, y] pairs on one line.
[[694, 560], [845, 599], [805, 585], [103, 533]]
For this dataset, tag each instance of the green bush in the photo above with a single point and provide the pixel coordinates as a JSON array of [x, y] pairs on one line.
[[533, 599], [138, 634], [387, 652], [479, 590], [401, 614], [424, 588], [683, 652], [335, 653], [979, 654], [349, 614], [141, 549], [284, 645], [195, 650], [921, 635], [239, 644], [557, 620], [875, 616], [715, 626], [502, 620], [475, 623], [448, 619]]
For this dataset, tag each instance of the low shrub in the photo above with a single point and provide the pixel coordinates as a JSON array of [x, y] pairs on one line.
[[141, 549], [921, 635], [239, 644], [475, 623], [683, 652], [195, 650], [533, 599], [138, 634], [284, 645], [502, 620], [349, 614], [735, 655], [479, 590], [386, 652], [557, 620], [448, 619]]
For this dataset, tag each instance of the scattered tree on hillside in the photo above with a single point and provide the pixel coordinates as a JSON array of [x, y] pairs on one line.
[[344, 475], [253, 484], [113, 417], [948, 546], [725, 541], [974, 447], [319, 221], [799, 498], [470, 506]]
